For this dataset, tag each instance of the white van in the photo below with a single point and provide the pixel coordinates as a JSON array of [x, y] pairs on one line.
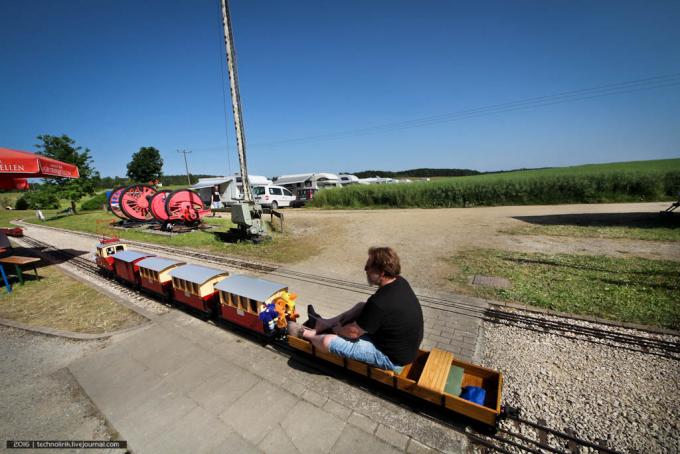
[[272, 196]]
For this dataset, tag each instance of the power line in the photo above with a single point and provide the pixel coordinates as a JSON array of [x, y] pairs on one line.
[[524, 104], [617, 88]]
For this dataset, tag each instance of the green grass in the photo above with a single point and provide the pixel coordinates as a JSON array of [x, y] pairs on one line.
[[631, 290], [56, 300], [615, 182], [282, 248]]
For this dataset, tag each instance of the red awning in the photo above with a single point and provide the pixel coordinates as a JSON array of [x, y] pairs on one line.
[[22, 164]]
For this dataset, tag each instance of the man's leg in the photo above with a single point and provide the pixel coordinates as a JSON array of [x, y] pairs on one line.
[[324, 324], [360, 350], [320, 341]]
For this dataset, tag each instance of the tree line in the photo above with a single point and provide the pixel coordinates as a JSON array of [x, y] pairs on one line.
[[416, 173]]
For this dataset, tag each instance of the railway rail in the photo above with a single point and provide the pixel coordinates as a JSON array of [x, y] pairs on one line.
[[512, 436], [638, 340]]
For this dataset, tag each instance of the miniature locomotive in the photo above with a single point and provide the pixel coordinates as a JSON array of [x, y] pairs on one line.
[[265, 307]]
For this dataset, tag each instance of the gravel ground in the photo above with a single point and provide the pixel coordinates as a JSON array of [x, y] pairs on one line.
[[629, 399], [40, 398]]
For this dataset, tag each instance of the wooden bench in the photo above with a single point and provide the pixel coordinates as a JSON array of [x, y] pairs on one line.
[[19, 261], [436, 371]]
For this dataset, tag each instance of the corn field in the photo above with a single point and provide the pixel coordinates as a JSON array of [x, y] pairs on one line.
[[597, 184]]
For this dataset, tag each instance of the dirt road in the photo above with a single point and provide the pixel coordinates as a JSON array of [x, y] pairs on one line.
[[427, 239]]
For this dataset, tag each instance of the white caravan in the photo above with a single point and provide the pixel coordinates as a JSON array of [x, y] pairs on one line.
[[229, 190], [305, 185]]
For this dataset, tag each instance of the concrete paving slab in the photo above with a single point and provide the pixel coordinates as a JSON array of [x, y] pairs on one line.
[[391, 436], [277, 442], [337, 409], [355, 441], [180, 436], [200, 367], [163, 364], [259, 410], [222, 389], [362, 422], [311, 429], [148, 421], [415, 447]]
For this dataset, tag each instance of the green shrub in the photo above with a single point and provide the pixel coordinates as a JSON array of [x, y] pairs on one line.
[[94, 203], [43, 199]]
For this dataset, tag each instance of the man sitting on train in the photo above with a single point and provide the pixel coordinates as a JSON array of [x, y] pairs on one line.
[[385, 331]]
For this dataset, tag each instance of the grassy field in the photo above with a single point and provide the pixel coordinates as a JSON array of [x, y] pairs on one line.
[[632, 290], [637, 226], [281, 248], [671, 233], [56, 300], [597, 183]]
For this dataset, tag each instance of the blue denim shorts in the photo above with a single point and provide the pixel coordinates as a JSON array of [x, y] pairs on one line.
[[363, 350]]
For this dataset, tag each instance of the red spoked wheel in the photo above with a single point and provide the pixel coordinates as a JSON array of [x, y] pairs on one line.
[[114, 202], [134, 201], [158, 206], [185, 206]]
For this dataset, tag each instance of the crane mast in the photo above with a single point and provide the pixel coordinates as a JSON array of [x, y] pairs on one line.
[[246, 215], [236, 100]]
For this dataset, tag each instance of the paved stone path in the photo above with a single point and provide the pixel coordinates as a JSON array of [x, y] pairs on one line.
[[183, 385]]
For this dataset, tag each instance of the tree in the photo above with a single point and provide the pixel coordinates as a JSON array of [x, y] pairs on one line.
[[146, 165], [64, 149]]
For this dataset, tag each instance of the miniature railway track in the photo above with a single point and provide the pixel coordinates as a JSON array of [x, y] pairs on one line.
[[504, 441], [648, 343], [83, 265]]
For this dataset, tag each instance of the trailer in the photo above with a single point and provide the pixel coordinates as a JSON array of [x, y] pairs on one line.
[[305, 185]]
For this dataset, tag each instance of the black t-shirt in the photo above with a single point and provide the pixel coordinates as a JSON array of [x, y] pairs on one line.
[[394, 320]]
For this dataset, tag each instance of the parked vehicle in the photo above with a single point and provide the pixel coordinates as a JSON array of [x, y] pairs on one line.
[[273, 196], [305, 185]]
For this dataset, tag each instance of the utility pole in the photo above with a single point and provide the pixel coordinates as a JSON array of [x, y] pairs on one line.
[[186, 165]]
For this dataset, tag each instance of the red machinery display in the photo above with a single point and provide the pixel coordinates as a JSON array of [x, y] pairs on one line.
[[142, 203], [185, 206], [134, 202], [114, 202], [158, 206]]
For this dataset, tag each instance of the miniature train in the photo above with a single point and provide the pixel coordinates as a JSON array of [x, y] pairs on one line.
[[265, 307]]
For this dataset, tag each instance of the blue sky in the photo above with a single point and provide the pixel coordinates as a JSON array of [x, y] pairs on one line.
[[118, 75]]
